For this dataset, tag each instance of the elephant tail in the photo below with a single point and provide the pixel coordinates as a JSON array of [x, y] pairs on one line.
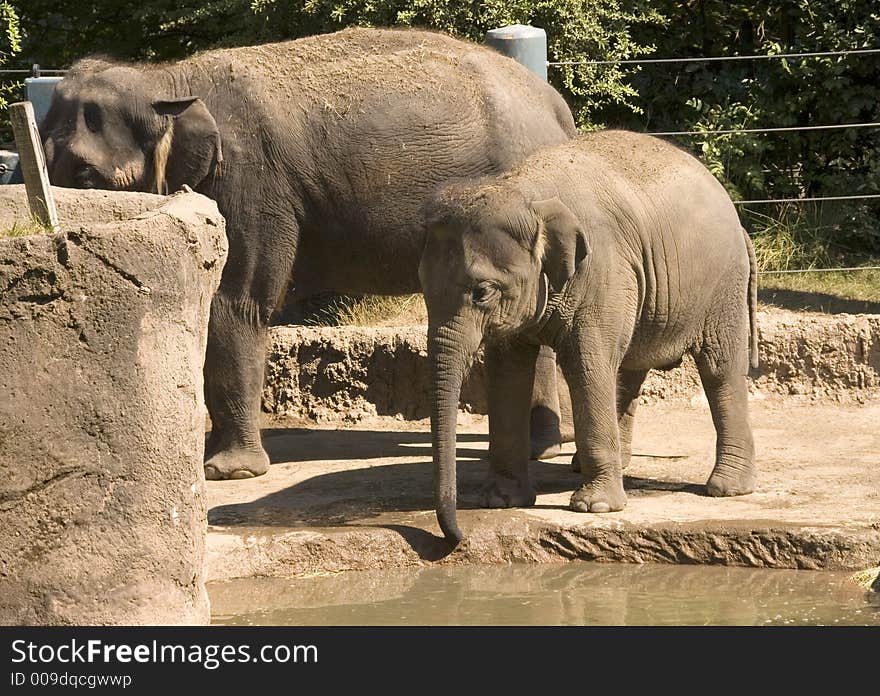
[[753, 302]]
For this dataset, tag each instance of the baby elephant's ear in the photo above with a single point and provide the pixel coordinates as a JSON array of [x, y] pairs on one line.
[[563, 240], [190, 146]]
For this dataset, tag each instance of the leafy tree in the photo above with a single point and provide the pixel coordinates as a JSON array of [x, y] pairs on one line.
[[59, 32], [775, 93], [575, 28], [10, 44]]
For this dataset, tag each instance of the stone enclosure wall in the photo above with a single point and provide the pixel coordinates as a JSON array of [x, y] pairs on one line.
[[103, 329], [348, 373]]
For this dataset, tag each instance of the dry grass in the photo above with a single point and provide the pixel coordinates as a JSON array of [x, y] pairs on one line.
[[859, 286], [372, 310], [803, 237], [788, 241], [25, 229]]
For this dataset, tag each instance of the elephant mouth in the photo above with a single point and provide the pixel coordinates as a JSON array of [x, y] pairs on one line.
[[89, 177]]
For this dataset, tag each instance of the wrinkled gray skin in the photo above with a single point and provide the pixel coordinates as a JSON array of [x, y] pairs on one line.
[[621, 252], [319, 152]]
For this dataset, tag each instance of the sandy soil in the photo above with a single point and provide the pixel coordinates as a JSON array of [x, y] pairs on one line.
[[360, 497]]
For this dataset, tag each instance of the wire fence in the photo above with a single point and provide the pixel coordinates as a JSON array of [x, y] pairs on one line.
[[712, 59], [32, 71], [821, 270], [779, 129], [37, 71], [815, 199], [764, 130]]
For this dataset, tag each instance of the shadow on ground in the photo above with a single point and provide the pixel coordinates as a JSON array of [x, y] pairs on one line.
[[313, 445], [816, 302], [356, 496]]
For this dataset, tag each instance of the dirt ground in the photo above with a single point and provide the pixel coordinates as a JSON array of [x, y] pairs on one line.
[[360, 497]]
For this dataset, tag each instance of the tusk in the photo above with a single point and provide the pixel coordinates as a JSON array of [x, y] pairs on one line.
[[160, 158], [543, 296]]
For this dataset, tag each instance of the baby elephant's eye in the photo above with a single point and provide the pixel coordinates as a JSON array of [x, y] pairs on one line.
[[484, 293]]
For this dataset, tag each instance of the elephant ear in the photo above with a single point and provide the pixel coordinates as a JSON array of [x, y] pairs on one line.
[[190, 145], [563, 239]]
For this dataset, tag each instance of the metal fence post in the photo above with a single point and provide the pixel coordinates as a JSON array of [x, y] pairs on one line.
[[525, 44], [38, 90]]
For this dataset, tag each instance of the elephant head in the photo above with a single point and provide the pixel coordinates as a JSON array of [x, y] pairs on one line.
[[109, 127], [491, 260]]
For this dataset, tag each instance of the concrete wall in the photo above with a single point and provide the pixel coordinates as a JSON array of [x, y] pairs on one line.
[[103, 330], [348, 373]]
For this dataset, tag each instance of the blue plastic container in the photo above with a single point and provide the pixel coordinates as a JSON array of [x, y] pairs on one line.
[[525, 44], [38, 91]]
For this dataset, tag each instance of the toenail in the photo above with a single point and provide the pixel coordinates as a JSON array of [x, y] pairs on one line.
[[241, 474]]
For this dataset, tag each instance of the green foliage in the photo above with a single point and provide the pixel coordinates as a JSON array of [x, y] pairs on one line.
[[794, 238], [10, 44], [25, 229], [60, 32], [10, 34], [854, 292], [774, 93]]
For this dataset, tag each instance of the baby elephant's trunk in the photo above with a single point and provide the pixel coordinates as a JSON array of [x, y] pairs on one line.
[[450, 350]]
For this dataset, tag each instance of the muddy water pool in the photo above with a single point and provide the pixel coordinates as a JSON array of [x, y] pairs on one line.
[[575, 593]]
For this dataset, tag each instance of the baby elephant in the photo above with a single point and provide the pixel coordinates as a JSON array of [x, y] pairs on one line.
[[622, 253]]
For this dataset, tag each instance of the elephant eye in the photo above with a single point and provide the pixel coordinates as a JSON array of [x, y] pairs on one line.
[[484, 293], [92, 116]]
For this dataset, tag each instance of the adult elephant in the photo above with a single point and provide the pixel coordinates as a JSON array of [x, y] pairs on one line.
[[319, 152]]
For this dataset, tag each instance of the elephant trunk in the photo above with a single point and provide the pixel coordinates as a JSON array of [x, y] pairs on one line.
[[450, 350]]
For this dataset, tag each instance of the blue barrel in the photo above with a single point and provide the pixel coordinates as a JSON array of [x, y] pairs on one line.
[[38, 91], [526, 45]]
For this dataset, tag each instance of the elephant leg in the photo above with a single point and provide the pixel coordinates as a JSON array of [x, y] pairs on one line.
[[511, 372], [727, 393], [233, 381], [254, 282], [566, 420], [594, 407], [628, 390], [546, 419]]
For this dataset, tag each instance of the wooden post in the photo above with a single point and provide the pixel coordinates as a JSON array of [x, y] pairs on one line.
[[33, 164]]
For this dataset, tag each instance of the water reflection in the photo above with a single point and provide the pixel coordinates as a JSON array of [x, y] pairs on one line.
[[566, 594]]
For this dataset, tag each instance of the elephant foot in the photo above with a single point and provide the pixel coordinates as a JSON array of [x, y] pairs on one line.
[[506, 492], [546, 438], [599, 496], [236, 463], [213, 443], [728, 481]]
